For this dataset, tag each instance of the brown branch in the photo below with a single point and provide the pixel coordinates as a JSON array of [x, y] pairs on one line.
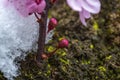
[[36, 17], [42, 32]]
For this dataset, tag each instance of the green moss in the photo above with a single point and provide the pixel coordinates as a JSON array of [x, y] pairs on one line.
[[89, 47]]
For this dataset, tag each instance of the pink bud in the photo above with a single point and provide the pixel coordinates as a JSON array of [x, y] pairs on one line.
[[63, 43], [52, 24]]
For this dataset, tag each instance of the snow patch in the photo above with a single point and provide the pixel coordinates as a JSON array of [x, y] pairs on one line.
[[16, 33]]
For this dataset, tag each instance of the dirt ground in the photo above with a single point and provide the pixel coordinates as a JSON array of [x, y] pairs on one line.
[[93, 52]]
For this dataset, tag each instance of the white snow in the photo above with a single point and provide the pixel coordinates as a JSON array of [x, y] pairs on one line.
[[16, 33]]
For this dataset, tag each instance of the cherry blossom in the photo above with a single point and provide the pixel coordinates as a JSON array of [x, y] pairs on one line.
[[27, 7], [85, 8]]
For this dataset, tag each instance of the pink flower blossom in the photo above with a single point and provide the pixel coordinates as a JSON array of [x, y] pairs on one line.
[[27, 7], [85, 8]]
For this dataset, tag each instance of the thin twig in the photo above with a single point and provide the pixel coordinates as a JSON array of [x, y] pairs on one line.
[[42, 33]]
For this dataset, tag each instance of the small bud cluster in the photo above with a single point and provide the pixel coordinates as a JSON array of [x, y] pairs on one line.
[[62, 44]]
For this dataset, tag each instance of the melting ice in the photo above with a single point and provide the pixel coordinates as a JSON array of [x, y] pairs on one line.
[[16, 33]]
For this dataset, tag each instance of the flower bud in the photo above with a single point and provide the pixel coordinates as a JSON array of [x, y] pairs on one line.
[[63, 43], [44, 56], [52, 24]]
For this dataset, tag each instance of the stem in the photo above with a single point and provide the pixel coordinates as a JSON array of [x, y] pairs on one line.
[[37, 17], [42, 32]]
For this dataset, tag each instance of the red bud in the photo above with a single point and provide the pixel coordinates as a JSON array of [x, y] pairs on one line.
[[63, 43], [52, 24]]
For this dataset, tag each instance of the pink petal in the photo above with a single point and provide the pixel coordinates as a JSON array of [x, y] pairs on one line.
[[90, 7], [41, 6], [20, 6], [86, 14], [32, 8], [82, 18], [96, 4], [75, 5]]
